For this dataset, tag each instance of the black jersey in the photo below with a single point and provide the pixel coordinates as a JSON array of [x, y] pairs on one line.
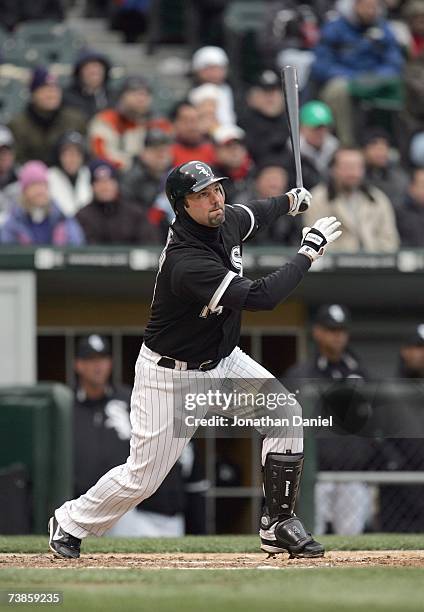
[[189, 320], [200, 290]]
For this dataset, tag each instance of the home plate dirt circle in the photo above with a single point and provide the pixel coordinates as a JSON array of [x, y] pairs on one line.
[[364, 558]]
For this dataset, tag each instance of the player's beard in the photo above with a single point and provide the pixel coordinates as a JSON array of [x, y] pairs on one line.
[[217, 220]]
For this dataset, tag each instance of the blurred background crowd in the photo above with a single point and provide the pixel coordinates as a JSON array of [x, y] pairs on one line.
[[87, 138]]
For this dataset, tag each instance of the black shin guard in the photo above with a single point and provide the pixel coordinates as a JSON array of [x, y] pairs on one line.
[[282, 474]]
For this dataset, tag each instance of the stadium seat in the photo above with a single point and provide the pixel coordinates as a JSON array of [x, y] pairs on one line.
[[13, 97], [42, 42], [163, 98]]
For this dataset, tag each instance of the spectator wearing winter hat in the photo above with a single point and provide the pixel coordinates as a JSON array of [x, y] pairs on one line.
[[317, 143], [117, 134], [232, 160], [89, 91], [210, 65], [38, 127], [382, 168], [35, 218], [109, 218], [69, 178]]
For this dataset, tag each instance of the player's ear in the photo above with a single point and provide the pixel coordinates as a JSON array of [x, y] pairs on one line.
[[186, 204]]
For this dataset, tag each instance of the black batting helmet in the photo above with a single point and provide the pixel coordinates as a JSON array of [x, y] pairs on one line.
[[190, 177]]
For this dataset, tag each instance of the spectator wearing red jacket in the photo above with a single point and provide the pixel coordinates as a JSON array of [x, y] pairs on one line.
[[189, 143], [117, 134]]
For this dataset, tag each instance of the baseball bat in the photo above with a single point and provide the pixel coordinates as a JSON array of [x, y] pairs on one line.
[[291, 98]]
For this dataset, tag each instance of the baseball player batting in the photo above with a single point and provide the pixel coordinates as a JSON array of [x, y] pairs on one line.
[[192, 338]]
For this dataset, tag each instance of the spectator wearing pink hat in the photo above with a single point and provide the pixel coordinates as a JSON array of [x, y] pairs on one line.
[[35, 218], [38, 127]]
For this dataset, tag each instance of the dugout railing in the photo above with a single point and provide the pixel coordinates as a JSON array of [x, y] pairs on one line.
[[373, 453]]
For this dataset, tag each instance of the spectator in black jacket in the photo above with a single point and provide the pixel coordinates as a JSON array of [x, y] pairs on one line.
[[69, 177], [144, 182], [270, 179], [89, 91], [410, 216], [109, 218], [39, 126], [264, 119], [381, 170]]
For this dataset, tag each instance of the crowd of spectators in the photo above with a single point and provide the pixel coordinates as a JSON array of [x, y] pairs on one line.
[[85, 164]]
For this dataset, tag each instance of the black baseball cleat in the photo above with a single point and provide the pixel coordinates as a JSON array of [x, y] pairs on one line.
[[289, 536], [62, 544]]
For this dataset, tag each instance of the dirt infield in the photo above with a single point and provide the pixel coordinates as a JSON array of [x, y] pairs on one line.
[[386, 558]]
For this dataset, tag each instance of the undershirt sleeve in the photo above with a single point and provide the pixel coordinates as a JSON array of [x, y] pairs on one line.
[[266, 292], [211, 284], [258, 214]]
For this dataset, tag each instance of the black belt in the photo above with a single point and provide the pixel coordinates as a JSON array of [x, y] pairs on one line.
[[168, 362]]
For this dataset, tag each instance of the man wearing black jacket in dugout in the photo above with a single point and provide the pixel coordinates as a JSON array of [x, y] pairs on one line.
[[190, 341], [341, 507], [102, 431]]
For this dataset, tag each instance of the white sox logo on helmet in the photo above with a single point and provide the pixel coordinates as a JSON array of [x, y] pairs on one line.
[[202, 170]]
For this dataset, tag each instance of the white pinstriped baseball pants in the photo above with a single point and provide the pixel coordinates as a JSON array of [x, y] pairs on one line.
[[159, 437]]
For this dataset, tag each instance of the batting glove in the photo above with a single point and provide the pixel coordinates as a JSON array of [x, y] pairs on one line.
[[315, 238], [300, 200]]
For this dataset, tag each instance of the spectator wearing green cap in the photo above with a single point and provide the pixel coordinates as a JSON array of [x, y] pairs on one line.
[[317, 143]]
